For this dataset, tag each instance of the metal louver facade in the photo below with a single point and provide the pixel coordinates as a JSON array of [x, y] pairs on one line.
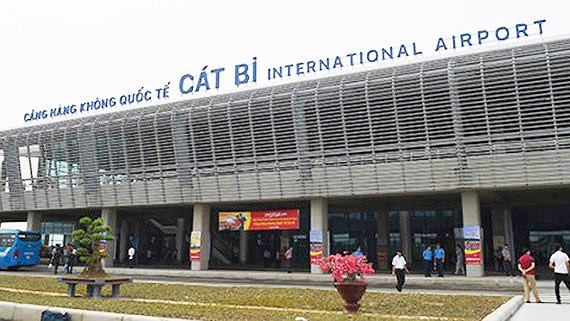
[[494, 120]]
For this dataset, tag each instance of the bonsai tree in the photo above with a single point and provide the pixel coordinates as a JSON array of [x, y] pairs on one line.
[[88, 239]]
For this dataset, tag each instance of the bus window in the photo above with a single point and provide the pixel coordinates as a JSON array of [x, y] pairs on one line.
[[7, 240]]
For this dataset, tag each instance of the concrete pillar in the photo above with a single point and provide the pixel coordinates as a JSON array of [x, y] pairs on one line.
[[34, 220], [472, 216], [243, 247], [201, 223], [123, 241], [406, 235], [179, 238], [109, 216], [382, 240], [319, 222]]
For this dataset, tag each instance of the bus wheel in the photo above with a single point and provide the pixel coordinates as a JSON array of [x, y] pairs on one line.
[[13, 268]]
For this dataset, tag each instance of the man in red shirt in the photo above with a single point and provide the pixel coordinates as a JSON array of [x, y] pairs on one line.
[[527, 268]]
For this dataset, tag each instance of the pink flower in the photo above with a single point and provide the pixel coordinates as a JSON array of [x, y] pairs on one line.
[[346, 267]]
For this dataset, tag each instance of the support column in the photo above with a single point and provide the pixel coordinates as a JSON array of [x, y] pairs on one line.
[[382, 240], [406, 236], [319, 222], [243, 247], [201, 223], [34, 220], [109, 216], [472, 216], [123, 240], [179, 238]]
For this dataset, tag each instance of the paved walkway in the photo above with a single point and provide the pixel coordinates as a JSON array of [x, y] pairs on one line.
[[545, 311], [548, 311]]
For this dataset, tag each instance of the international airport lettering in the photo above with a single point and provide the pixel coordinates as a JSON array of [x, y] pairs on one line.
[[206, 79], [134, 98]]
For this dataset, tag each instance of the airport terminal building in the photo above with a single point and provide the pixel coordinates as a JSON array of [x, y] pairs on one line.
[[398, 157]]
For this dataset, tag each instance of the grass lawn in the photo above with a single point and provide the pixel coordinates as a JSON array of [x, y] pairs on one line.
[[251, 304]]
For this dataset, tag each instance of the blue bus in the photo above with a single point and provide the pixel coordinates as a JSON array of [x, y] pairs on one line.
[[19, 248]]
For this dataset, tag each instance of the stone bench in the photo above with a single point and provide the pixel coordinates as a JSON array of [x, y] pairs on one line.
[[94, 286]]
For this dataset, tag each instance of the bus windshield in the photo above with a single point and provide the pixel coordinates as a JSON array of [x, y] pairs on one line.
[[28, 237], [7, 240]]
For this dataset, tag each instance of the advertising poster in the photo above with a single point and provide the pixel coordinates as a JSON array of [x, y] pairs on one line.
[[259, 220], [234, 221], [472, 232], [195, 246], [316, 244], [473, 252]]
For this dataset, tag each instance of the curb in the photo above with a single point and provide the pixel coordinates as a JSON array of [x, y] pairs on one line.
[[28, 312], [505, 311]]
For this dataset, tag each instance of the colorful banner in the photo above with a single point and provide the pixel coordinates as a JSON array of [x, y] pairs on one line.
[[195, 243], [316, 245], [473, 252], [259, 220]]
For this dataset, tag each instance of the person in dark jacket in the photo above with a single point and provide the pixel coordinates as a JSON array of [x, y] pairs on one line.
[[56, 257]]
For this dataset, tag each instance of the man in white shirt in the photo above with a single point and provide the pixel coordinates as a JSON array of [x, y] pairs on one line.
[[560, 263], [131, 254], [399, 269]]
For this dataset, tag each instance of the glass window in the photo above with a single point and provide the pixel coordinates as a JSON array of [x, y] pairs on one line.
[[7, 240]]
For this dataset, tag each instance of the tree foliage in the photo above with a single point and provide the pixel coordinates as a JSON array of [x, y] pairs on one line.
[[88, 239]]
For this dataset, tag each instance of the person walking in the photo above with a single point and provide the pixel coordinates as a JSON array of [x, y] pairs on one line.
[[56, 255], [527, 267], [499, 259], [131, 253], [439, 255], [507, 260], [399, 269], [560, 263], [289, 258], [65, 260], [459, 260], [428, 261], [72, 256]]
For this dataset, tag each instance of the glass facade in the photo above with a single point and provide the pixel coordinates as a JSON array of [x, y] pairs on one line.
[[430, 227], [261, 249], [57, 232], [540, 228], [350, 230]]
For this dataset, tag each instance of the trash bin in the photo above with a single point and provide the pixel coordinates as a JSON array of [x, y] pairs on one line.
[[48, 315]]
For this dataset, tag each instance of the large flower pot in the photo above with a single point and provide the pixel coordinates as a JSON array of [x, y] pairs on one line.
[[351, 291]]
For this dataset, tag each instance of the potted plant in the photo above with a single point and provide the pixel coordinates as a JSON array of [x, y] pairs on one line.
[[348, 274], [89, 239]]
